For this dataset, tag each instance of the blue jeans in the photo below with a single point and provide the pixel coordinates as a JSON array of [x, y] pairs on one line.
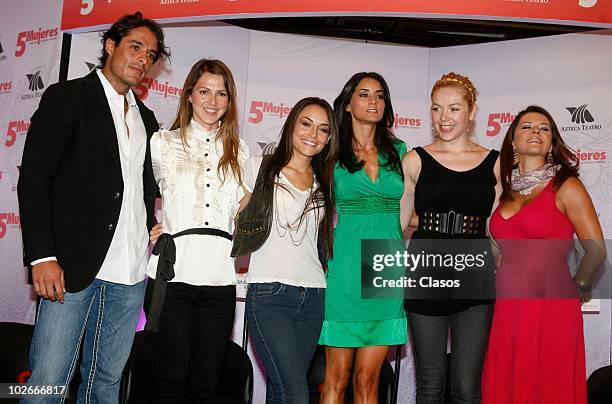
[[285, 322], [103, 318]]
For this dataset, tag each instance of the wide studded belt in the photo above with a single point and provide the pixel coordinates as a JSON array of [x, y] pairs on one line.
[[452, 223]]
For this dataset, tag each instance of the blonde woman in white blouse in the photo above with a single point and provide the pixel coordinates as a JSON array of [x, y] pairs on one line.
[[197, 165]]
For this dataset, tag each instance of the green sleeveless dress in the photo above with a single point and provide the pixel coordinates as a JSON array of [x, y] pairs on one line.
[[366, 210]]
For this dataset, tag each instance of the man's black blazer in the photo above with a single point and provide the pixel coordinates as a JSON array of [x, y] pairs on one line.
[[70, 185]]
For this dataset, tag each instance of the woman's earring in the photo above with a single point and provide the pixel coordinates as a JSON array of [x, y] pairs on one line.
[[515, 157], [549, 158]]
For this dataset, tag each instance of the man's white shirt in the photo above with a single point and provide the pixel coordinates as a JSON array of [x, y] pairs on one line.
[[126, 260]]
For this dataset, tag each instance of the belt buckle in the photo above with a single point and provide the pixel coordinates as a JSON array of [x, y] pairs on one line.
[[451, 222]]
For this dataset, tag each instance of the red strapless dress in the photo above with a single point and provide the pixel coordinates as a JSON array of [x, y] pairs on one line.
[[536, 346]]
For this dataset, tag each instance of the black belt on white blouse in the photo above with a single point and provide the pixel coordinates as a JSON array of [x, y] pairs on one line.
[[166, 249]]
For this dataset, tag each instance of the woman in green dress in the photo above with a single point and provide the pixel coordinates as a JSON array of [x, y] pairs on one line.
[[368, 186]]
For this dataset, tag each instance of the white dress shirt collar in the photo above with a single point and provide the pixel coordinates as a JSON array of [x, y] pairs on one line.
[[112, 95]]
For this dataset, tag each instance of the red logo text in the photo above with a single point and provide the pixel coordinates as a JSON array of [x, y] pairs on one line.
[[6, 86], [15, 128], [495, 122], [406, 122], [590, 156], [34, 37], [259, 108], [149, 84], [8, 219]]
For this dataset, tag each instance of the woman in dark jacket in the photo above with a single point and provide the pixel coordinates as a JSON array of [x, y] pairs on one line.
[[287, 225]]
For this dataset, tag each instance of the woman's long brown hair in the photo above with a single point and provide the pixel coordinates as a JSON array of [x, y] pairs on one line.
[[322, 165], [561, 153], [228, 131]]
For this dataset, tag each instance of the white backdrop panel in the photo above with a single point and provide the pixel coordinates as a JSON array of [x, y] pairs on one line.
[[30, 43], [286, 68]]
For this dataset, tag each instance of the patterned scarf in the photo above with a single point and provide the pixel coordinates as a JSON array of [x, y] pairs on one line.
[[526, 182]]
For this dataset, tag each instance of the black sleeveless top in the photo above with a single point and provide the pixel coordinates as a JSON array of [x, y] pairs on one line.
[[441, 190]]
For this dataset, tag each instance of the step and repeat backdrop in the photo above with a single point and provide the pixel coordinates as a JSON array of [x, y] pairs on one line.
[[30, 50], [569, 75]]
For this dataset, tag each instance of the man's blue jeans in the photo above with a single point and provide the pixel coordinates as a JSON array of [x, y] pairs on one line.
[[103, 318], [285, 323]]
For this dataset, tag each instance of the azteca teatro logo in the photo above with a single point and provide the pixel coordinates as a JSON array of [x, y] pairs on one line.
[[2, 55], [5, 86], [91, 66], [267, 148], [34, 37], [582, 120], [33, 84], [8, 220], [149, 84]]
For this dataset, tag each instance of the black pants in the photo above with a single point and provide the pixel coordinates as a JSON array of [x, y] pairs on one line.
[[190, 346], [469, 338]]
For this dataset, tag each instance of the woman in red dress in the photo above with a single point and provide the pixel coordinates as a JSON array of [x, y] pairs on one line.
[[536, 346]]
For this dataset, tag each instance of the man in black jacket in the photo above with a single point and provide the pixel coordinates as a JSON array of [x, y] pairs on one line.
[[86, 197]]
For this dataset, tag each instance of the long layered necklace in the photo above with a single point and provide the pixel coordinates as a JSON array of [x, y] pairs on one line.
[[299, 227], [525, 183]]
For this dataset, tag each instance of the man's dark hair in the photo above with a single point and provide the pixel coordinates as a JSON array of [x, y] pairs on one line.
[[125, 24]]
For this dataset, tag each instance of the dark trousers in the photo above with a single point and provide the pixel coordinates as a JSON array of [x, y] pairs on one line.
[[285, 323], [189, 348], [469, 338]]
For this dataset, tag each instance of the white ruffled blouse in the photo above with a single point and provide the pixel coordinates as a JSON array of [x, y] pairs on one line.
[[194, 194]]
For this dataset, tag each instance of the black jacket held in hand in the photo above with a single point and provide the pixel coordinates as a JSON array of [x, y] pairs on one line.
[[70, 184], [255, 221]]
